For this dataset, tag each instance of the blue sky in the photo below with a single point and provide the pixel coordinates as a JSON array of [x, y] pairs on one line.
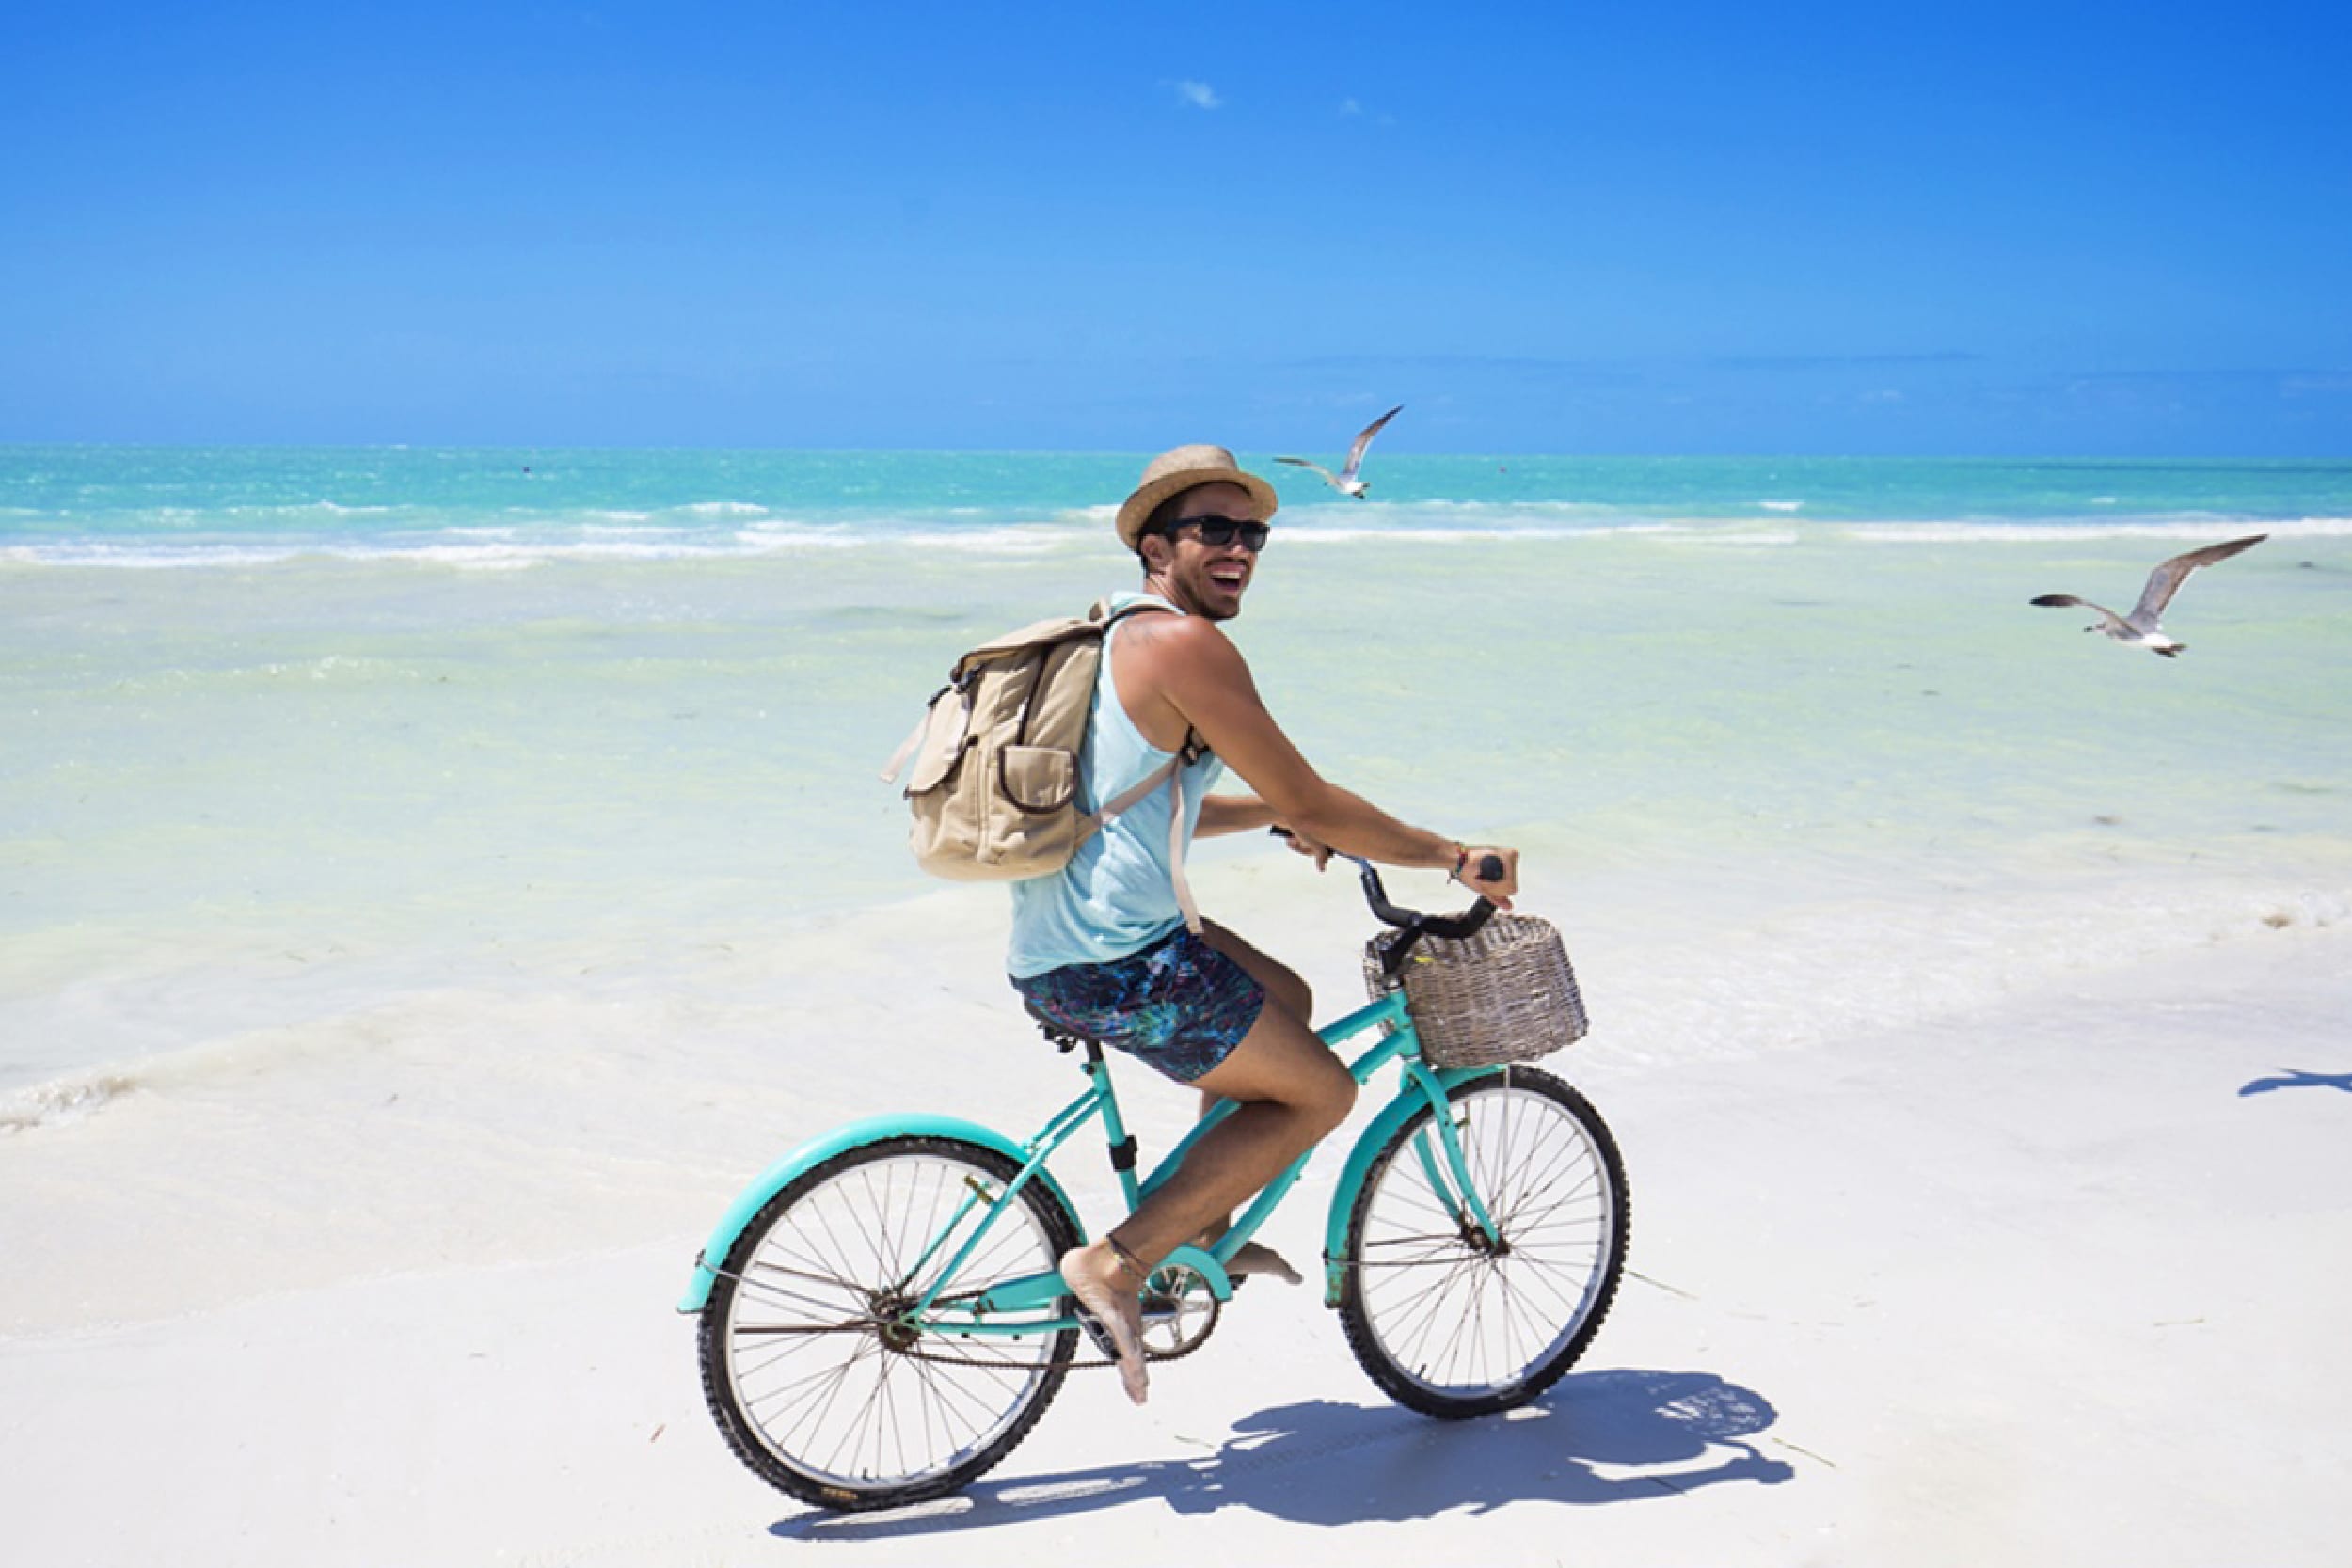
[[1981, 229]]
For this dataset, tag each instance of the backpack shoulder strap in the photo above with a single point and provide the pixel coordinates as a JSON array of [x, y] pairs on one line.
[[1103, 611], [1172, 774], [1169, 773]]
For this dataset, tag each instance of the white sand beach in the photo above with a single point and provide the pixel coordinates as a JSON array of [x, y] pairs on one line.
[[2053, 1279]]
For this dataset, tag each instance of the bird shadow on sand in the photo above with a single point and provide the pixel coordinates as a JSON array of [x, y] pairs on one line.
[[2296, 1078], [1597, 1438]]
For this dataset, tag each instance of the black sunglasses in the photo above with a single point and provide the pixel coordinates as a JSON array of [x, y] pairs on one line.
[[1217, 532]]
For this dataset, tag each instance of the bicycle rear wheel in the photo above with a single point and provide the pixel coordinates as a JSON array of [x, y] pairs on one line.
[[815, 1371], [1448, 1322]]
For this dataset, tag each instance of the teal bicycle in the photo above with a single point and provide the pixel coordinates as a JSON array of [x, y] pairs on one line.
[[881, 1318]]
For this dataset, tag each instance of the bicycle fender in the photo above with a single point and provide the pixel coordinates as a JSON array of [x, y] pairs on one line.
[[1359, 1165], [856, 1134]]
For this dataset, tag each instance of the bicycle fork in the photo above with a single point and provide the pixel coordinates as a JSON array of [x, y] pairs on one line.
[[1443, 1161]]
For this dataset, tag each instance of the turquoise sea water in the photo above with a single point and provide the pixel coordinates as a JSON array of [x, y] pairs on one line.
[[398, 711], [157, 506], [404, 822]]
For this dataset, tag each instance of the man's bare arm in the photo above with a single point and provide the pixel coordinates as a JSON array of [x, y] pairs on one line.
[[1193, 669], [1234, 814]]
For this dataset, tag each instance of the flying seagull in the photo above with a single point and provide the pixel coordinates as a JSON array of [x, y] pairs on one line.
[[1345, 482], [2142, 626]]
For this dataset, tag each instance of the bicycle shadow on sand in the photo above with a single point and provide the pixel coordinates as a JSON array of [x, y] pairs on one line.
[[2296, 1078], [1596, 1437]]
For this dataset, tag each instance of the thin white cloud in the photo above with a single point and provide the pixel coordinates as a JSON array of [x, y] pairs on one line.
[[1199, 95], [1349, 106]]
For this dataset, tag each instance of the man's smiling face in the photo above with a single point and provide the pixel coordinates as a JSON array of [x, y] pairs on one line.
[[1210, 579]]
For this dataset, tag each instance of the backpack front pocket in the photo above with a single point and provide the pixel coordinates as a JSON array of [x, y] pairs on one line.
[[1038, 777]]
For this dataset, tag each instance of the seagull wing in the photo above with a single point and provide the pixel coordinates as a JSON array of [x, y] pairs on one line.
[[2108, 620], [1363, 440], [2166, 580], [1329, 477]]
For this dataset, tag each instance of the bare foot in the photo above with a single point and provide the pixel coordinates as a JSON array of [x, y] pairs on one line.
[[1256, 1258], [1101, 1280]]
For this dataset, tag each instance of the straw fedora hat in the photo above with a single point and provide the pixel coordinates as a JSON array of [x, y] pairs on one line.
[[1182, 468]]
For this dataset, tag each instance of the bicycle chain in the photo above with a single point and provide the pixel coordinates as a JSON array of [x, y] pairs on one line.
[[879, 1326]]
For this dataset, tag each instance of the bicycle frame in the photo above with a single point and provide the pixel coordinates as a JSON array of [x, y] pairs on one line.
[[1032, 1304]]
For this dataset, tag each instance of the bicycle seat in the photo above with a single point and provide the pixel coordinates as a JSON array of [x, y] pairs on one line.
[[1064, 1037]]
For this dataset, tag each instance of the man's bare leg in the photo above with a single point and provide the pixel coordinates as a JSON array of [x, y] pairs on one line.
[[1290, 1091], [1285, 989], [1251, 1258]]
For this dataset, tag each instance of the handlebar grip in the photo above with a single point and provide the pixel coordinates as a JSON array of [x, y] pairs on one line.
[[1490, 867], [1411, 925]]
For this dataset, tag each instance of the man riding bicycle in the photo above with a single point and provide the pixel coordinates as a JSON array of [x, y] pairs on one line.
[[1104, 947]]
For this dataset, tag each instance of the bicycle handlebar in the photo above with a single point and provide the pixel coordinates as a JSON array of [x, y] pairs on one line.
[[1413, 924]]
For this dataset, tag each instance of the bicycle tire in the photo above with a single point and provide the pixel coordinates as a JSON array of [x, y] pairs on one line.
[[1450, 1325], [809, 1367]]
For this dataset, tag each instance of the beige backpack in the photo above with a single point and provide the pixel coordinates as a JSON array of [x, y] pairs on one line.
[[993, 766]]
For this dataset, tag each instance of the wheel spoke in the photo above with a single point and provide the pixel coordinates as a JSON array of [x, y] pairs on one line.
[[819, 1370], [1451, 1321]]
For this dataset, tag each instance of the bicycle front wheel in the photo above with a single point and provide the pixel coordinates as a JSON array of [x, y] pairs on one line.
[[1449, 1322], [814, 1365]]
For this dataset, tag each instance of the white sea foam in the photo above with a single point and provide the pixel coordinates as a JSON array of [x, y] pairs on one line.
[[1973, 532], [518, 557], [246, 537], [609, 529], [1707, 532], [1009, 539], [1551, 512], [148, 555], [514, 546], [307, 509], [1405, 533], [483, 548], [60, 1100], [780, 537]]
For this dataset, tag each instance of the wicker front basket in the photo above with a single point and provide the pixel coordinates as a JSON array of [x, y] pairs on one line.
[[1505, 994]]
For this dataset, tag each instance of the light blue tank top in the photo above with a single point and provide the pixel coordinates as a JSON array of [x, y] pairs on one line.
[[1118, 893]]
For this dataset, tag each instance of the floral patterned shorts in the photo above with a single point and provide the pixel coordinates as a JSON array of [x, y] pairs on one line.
[[1179, 1006]]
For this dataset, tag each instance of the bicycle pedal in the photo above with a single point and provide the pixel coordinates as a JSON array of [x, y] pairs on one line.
[[1101, 1334]]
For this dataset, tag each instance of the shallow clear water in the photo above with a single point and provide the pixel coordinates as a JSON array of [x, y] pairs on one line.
[[243, 726]]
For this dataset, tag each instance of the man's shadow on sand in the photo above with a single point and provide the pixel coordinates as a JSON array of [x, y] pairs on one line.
[[1596, 1437]]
